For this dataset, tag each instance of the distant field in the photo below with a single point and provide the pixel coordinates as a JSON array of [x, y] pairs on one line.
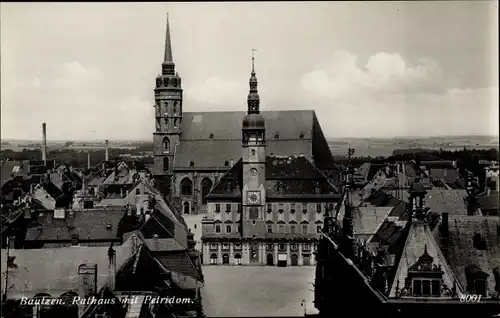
[[373, 147]]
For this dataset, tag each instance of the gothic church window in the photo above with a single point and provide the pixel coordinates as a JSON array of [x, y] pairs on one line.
[[166, 143], [206, 186], [165, 164], [186, 187]]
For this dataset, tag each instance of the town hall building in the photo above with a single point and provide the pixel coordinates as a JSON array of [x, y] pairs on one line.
[[267, 209], [193, 150]]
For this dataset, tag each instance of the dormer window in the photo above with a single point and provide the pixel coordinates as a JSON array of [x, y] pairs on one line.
[[276, 136], [191, 163], [301, 136], [226, 163], [211, 136], [479, 242]]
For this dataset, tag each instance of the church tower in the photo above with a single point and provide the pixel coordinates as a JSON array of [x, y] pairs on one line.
[[254, 163], [168, 117]]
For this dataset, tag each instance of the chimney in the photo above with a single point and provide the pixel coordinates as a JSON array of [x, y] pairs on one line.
[[88, 160], [44, 143], [106, 155], [444, 224]]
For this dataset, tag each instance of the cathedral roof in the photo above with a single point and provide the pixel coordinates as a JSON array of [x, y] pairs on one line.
[[288, 133], [286, 178]]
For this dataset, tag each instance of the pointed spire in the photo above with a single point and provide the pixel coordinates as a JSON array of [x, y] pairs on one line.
[[168, 66], [253, 99], [168, 45]]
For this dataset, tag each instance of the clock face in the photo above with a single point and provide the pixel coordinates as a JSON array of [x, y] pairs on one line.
[[253, 197], [253, 172]]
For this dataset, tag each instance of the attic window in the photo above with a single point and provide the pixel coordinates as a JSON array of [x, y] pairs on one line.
[[226, 163], [479, 242], [301, 136], [277, 136], [211, 136]]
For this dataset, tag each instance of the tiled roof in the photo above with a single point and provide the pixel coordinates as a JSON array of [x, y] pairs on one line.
[[449, 176], [438, 164], [418, 240], [180, 263], [367, 220], [55, 270], [285, 176], [447, 201], [87, 224], [295, 130], [489, 202], [461, 249], [10, 168]]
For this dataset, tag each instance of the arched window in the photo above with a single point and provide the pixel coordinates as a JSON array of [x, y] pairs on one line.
[[165, 81], [186, 187], [166, 143], [175, 108], [213, 259], [165, 164], [186, 207], [206, 186]]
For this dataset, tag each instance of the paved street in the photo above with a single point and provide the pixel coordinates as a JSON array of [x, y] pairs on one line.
[[254, 291]]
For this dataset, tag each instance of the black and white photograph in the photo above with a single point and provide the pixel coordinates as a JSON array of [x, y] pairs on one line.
[[250, 159]]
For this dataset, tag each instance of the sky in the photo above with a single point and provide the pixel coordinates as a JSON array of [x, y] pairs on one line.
[[368, 69]]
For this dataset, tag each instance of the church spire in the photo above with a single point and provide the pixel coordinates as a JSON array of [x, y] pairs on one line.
[[168, 66], [253, 99]]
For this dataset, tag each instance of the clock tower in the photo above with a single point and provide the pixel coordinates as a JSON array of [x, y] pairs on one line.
[[254, 164]]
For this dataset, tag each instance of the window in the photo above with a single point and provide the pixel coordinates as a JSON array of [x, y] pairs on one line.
[[237, 246], [281, 208], [292, 229], [225, 246], [239, 207], [318, 229], [217, 207], [330, 207], [186, 187], [294, 247], [142, 209], [74, 240], [166, 144], [254, 213], [270, 247], [239, 228], [214, 246], [292, 207], [269, 208], [253, 152], [217, 228], [304, 229], [480, 287], [281, 229], [426, 287], [306, 247], [228, 228], [318, 207], [304, 208], [165, 164], [228, 207], [137, 191], [269, 228], [237, 257], [226, 163], [282, 246], [213, 259]]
